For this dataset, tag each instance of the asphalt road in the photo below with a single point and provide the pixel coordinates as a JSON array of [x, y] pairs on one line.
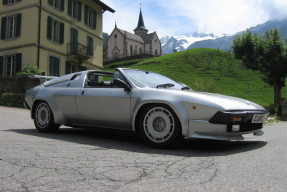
[[85, 160]]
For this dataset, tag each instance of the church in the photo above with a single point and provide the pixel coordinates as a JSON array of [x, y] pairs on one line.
[[122, 44]]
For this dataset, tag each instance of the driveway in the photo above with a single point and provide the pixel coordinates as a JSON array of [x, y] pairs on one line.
[[89, 160]]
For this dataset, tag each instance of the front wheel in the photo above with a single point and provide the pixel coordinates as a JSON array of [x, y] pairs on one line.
[[160, 127], [44, 119]]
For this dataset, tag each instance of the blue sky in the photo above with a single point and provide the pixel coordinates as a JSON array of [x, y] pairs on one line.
[[177, 17]]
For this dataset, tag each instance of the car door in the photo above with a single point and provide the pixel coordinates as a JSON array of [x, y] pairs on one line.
[[104, 107]]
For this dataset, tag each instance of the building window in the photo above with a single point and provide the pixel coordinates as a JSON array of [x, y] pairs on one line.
[[11, 26], [75, 9], [59, 4], [90, 43], [7, 2], [131, 50], [10, 64], [54, 65], [71, 68], [55, 30], [90, 17]]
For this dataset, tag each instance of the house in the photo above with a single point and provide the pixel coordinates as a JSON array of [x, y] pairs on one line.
[[123, 44], [57, 36]]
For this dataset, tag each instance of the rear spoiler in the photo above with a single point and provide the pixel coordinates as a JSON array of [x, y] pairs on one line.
[[41, 77]]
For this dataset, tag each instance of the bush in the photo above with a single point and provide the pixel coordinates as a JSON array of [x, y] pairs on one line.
[[29, 69]]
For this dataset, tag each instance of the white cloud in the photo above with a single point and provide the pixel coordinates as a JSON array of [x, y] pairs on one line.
[[171, 17]]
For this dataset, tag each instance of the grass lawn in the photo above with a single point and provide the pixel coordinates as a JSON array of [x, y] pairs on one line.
[[208, 70]]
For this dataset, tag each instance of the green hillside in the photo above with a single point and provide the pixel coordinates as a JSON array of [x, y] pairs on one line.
[[208, 70]]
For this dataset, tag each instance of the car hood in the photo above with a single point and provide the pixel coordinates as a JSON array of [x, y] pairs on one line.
[[228, 102], [223, 102]]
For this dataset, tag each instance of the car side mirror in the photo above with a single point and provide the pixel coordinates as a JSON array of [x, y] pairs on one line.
[[120, 83]]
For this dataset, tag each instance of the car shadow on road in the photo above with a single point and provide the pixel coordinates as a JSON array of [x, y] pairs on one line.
[[127, 141]]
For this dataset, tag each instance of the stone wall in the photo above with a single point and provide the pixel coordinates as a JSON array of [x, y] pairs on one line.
[[12, 90]]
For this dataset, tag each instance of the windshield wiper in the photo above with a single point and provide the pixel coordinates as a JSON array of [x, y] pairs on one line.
[[165, 85], [185, 88]]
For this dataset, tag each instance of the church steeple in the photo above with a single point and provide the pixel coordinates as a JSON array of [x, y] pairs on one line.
[[140, 30]]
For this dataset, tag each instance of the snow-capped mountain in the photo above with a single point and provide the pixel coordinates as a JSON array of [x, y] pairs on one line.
[[180, 43]]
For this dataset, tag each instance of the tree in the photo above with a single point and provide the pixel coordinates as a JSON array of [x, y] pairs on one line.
[[267, 54], [29, 69]]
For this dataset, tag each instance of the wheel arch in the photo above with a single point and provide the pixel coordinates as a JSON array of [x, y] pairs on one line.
[[136, 118]]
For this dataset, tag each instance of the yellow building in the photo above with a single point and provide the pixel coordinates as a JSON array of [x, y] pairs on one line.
[[57, 36]]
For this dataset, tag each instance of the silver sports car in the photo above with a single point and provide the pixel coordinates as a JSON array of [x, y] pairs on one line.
[[161, 110]]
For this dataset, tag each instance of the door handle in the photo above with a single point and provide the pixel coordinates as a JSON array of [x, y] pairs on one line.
[[83, 92]]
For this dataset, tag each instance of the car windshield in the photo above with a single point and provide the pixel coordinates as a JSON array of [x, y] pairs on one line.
[[152, 80]]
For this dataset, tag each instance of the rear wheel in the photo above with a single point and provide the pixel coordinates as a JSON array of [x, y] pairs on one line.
[[44, 119], [160, 127]]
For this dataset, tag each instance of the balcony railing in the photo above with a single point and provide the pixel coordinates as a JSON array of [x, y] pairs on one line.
[[78, 50]]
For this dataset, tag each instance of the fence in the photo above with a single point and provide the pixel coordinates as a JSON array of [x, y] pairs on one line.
[[12, 90]]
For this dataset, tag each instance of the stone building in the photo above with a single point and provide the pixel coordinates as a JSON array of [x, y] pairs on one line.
[[123, 44]]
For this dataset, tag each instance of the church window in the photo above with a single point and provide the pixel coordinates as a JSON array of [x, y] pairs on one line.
[[131, 50]]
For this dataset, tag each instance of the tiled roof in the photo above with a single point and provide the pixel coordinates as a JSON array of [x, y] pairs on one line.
[[131, 36], [148, 37]]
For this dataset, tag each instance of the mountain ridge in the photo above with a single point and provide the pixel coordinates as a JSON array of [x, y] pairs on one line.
[[223, 42]]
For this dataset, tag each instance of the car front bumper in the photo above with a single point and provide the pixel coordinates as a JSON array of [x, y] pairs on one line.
[[206, 130]]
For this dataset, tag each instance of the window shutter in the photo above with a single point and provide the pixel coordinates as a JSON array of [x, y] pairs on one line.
[[61, 33], [57, 66], [49, 28], [1, 65], [3, 28], [54, 66], [18, 66], [18, 25], [50, 2], [68, 67], [62, 5], [76, 36], [51, 66], [5, 2], [86, 15], [82, 68], [70, 7], [95, 19], [79, 10], [90, 46]]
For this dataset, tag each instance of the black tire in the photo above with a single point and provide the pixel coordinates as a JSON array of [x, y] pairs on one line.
[[160, 127], [44, 119]]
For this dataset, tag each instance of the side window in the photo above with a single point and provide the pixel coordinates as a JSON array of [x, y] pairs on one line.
[[118, 75], [99, 80]]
